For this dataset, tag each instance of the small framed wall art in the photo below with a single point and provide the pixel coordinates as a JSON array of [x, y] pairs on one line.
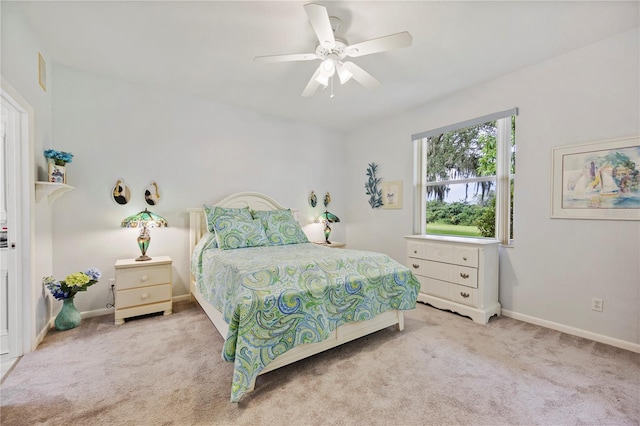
[[392, 194], [57, 174]]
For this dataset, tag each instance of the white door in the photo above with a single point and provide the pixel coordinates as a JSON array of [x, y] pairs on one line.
[[10, 306]]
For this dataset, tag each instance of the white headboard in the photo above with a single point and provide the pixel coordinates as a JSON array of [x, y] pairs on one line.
[[253, 200]]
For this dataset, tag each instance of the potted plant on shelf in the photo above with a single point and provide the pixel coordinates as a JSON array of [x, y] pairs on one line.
[[57, 164]]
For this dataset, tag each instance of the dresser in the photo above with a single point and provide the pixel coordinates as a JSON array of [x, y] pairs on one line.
[[142, 287], [456, 273]]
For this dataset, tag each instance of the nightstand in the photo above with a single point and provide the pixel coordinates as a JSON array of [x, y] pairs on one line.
[[142, 287], [334, 244]]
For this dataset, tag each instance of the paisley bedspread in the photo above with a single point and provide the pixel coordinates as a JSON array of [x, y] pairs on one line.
[[277, 297]]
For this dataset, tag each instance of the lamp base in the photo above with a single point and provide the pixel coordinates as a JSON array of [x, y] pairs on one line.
[[142, 258]]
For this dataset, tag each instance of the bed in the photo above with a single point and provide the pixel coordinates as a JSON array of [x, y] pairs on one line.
[[277, 302]]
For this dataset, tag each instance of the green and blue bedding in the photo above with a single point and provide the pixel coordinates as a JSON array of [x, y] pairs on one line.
[[276, 297]]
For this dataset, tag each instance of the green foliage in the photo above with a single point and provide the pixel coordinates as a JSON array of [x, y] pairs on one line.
[[459, 155], [457, 213], [375, 194]]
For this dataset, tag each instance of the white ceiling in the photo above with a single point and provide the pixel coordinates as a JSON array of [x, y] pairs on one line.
[[206, 48]]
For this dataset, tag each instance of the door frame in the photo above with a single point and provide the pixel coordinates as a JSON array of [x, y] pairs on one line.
[[24, 221]]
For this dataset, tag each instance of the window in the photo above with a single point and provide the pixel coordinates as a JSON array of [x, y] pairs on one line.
[[464, 178]]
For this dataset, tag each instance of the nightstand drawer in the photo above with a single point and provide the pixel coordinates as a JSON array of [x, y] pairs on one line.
[[143, 276], [143, 296]]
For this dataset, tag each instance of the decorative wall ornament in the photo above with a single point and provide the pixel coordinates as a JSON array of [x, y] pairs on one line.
[[313, 199], [327, 199], [121, 193], [152, 194], [375, 194]]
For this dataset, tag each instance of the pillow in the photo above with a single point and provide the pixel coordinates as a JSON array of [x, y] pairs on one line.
[[240, 234], [215, 213], [281, 227]]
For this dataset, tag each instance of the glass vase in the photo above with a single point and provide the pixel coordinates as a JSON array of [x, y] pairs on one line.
[[68, 317]]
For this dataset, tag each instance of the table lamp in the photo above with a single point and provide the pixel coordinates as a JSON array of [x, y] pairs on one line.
[[144, 220]]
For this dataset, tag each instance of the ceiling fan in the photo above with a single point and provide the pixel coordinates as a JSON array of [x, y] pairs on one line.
[[332, 52]]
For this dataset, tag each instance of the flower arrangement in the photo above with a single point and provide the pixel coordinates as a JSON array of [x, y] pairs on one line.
[[72, 284], [59, 157]]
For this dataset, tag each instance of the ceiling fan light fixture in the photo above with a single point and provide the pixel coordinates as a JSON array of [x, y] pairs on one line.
[[328, 67], [344, 73], [322, 79]]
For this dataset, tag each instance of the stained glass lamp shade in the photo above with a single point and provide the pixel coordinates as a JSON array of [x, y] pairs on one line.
[[327, 217], [144, 220]]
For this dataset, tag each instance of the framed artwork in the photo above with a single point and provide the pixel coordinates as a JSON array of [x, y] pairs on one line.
[[392, 194], [599, 180], [42, 72], [57, 174]]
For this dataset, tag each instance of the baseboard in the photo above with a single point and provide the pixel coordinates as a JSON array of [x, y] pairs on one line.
[[622, 344]]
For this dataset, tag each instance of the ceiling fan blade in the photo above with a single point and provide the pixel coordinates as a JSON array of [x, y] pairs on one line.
[[287, 58], [381, 44], [312, 85], [361, 76], [319, 18]]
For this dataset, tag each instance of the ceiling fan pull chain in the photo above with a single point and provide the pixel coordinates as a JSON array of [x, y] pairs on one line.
[[331, 95]]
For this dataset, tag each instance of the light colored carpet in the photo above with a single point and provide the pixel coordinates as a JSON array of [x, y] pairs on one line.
[[442, 370]]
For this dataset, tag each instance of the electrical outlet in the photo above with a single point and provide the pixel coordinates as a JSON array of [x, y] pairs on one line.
[[597, 304], [112, 283]]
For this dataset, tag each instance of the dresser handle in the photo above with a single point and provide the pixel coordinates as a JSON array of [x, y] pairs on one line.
[[464, 258], [464, 275], [144, 278], [415, 252], [144, 296], [465, 295], [416, 266]]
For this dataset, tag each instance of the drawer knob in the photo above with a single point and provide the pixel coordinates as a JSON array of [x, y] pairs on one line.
[[144, 296], [465, 276], [415, 252], [416, 266], [465, 295], [464, 258], [144, 278]]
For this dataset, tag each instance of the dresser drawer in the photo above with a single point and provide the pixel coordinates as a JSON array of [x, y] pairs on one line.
[[464, 276], [465, 256], [417, 266], [143, 296], [464, 295], [143, 276], [435, 287]]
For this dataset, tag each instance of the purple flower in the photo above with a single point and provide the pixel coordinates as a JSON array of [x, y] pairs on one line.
[[93, 274]]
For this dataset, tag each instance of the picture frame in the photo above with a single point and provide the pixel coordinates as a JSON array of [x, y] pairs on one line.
[[598, 180], [57, 174], [391, 194], [42, 72]]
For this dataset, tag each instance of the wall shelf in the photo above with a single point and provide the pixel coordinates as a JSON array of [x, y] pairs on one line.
[[51, 190]]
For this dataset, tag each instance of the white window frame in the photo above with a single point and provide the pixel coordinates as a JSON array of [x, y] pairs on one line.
[[502, 178]]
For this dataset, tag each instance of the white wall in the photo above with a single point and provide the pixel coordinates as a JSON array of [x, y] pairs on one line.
[[20, 50], [196, 150], [556, 266]]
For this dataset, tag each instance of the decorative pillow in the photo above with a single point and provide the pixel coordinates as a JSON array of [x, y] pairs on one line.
[[215, 213], [281, 227], [240, 234]]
